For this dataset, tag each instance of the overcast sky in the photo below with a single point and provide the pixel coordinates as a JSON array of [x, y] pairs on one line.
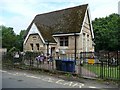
[[19, 13]]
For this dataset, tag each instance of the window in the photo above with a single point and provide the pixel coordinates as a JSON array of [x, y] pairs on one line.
[[34, 37], [63, 41], [37, 45], [84, 42], [31, 46], [84, 34], [87, 36]]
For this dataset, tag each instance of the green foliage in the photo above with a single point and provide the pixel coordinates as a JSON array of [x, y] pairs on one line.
[[107, 32], [13, 49], [19, 41], [10, 40], [68, 75], [8, 37]]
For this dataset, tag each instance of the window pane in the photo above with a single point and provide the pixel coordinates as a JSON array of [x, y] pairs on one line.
[[66, 37], [66, 43], [61, 38], [37, 46], [83, 34], [31, 46], [61, 43], [87, 36]]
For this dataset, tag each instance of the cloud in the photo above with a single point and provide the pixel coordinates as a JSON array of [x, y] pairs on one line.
[[103, 11], [20, 7], [102, 8], [18, 23], [19, 13], [2, 21]]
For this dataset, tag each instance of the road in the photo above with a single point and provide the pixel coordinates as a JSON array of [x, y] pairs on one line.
[[15, 79], [25, 80]]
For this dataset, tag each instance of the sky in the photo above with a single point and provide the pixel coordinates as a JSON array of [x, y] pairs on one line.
[[19, 13]]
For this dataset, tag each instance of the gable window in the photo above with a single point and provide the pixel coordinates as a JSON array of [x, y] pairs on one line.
[[83, 34], [84, 42], [64, 41], [31, 46], [34, 37], [37, 45], [87, 36]]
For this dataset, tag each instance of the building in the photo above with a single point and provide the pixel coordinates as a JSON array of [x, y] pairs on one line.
[[65, 31]]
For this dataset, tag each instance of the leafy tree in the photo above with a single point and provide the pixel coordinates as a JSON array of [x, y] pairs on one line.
[[118, 33], [106, 32], [19, 40], [8, 37]]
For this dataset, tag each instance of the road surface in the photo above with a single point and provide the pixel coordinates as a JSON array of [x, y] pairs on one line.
[[19, 79]]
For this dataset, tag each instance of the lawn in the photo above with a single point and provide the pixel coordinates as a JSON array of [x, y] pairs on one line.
[[107, 72]]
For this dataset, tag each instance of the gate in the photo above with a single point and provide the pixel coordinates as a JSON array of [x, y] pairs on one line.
[[89, 65], [105, 65]]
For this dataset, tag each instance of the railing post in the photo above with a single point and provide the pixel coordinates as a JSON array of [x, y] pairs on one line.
[[101, 71], [80, 69], [75, 46]]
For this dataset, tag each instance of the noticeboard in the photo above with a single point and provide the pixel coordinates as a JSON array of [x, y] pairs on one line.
[[91, 61]]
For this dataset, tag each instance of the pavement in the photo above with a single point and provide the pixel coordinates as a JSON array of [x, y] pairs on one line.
[[23, 79]]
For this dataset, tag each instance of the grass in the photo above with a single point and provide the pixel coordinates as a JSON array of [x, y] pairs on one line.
[[107, 72]]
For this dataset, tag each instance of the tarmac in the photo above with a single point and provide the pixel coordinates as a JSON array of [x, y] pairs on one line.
[[92, 83]]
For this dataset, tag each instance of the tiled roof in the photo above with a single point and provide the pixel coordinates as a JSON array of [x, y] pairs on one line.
[[60, 22]]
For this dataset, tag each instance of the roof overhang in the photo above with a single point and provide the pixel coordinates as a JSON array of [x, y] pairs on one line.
[[69, 34], [33, 30], [90, 21]]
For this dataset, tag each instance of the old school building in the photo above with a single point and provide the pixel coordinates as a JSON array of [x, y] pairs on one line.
[[62, 31]]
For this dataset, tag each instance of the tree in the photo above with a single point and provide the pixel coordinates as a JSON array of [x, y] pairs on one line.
[[106, 32], [19, 40], [118, 33], [8, 37]]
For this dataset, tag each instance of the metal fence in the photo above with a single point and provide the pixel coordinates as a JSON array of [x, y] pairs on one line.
[[110, 65], [105, 65]]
